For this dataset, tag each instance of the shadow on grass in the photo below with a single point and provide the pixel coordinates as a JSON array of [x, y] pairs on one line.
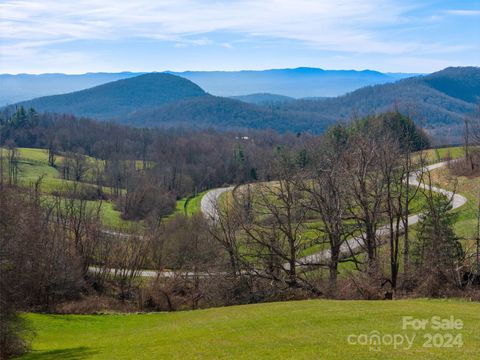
[[77, 353]]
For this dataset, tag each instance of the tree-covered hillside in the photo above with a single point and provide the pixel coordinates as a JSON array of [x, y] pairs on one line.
[[120, 98], [224, 113], [23, 87], [263, 98], [164, 100], [298, 82], [458, 82], [439, 101]]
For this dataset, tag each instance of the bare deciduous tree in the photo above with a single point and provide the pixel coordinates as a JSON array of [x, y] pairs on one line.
[[326, 185], [367, 187], [276, 226]]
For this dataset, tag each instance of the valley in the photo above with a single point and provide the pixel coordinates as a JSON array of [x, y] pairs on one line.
[[223, 180], [169, 101]]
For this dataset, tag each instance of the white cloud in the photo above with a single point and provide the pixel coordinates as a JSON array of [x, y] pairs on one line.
[[464, 12], [32, 28], [337, 25]]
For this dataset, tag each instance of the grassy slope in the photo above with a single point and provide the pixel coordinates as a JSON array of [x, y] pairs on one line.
[[436, 155], [470, 188], [189, 206], [312, 234], [314, 329], [466, 217], [192, 206], [33, 164]]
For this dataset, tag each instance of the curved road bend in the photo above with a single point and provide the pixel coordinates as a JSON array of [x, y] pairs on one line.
[[208, 206], [354, 244]]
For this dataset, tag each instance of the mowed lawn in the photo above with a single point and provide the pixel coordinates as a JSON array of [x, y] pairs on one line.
[[313, 329], [466, 224]]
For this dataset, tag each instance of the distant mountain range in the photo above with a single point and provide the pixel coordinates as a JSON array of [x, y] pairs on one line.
[[439, 102], [161, 99], [263, 98], [21, 87], [297, 83]]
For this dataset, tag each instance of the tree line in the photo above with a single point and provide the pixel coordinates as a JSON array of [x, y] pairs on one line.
[[166, 164]]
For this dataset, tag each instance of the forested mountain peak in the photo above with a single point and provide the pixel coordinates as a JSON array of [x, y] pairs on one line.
[[459, 82], [439, 101], [120, 97], [295, 82]]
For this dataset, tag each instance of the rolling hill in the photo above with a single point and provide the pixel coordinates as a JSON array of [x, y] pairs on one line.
[[439, 102], [301, 82], [313, 329], [22, 87], [225, 113], [461, 83], [159, 99], [121, 97]]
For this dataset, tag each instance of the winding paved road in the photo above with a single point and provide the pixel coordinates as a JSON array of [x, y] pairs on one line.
[[209, 201], [356, 244], [208, 206]]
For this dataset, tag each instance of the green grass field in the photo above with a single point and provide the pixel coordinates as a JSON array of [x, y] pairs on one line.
[[437, 155], [189, 206], [470, 188], [313, 329], [193, 205], [33, 164]]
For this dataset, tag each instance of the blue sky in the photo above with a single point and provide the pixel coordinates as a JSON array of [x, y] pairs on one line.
[[146, 35]]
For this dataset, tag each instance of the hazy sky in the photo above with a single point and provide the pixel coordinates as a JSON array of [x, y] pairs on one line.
[[147, 35]]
